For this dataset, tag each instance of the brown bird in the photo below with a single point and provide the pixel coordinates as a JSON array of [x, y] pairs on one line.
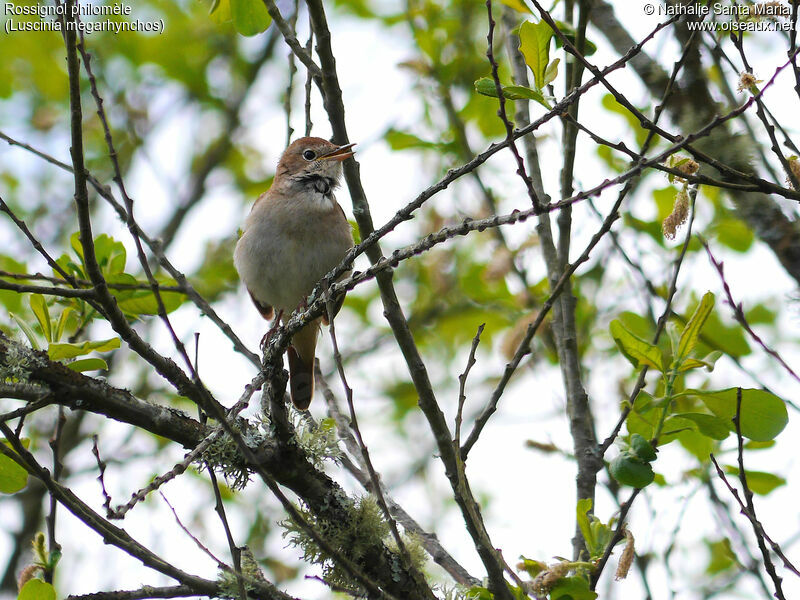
[[295, 234]]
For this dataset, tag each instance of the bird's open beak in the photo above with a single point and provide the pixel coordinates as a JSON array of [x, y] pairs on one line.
[[339, 154]]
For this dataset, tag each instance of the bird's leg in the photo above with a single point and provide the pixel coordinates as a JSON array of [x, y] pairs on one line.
[[271, 331]]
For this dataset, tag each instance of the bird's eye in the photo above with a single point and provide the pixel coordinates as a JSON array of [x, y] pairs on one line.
[[309, 155]]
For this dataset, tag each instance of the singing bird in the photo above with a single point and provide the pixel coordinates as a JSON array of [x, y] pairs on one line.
[[295, 234]]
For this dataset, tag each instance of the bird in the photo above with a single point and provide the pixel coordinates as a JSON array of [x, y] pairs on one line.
[[295, 234]]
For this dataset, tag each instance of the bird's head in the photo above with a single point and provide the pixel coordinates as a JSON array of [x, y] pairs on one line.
[[312, 157]]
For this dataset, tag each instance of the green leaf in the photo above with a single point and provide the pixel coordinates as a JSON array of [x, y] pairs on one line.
[[734, 233], [574, 588], [39, 308], [763, 415], [692, 329], [88, 364], [636, 350], [62, 323], [610, 103], [718, 336], [695, 363], [708, 425], [751, 445], [27, 330], [569, 32], [517, 5], [582, 509], [722, 557], [628, 469], [221, 12], [12, 476], [642, 448], [36, 589], [250, 17], [552, 71], [664, 199], [403, 140], [534, 43], [143, 301], [9, 299], [111, 254], [531, 567], [698, 445], [486, 87], [760, 314], [760, 482], [71, 350], [479, 593], [674, 428]]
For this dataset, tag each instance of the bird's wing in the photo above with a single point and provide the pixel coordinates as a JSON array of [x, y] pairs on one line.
[[265, 309]]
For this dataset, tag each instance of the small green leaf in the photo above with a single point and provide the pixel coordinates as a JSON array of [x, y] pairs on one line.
[[403, 140], [734, 233], [62, 323], [572, 588], [12, 476], [534, 43], [552, 71], [642, 448], [88, 364], [582, 509], [221, 12], [708, 362], [27, 330], [486, 87], [759, 482], [722, 557], [569, 32], [763, 415], [610, 103], [708, 425], [698, 445], [636, 350], [143, 301], [530, 566], [479, 593], [66, 350], [36, 589], [517, 5], [751, 445], [111, 254], [718, 336], [39, 308], [250, 17], [692, 329], [628, 469]]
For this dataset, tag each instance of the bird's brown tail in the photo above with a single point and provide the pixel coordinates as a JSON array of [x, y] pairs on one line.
[[301, 366], [301, 380]]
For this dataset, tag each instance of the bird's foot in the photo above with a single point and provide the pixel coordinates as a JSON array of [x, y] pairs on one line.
[[271, 331]]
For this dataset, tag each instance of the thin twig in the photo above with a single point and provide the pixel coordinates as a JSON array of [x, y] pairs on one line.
[[291, 40], [110, 534], [738, 312], [376, 486], [428, 540], [101, 477], [619, 532], [462, 383]]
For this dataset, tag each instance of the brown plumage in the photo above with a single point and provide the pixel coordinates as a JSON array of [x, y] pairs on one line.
[[295, 234]]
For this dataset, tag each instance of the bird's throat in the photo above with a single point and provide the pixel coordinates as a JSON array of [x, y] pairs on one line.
[[319, 184]]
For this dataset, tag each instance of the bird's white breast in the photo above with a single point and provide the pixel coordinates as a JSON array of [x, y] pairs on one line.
[[288, 246]]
